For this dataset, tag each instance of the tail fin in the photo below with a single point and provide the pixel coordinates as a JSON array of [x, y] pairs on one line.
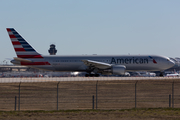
[[21, 47]]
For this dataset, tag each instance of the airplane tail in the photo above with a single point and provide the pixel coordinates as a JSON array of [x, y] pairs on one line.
[[21, 47]]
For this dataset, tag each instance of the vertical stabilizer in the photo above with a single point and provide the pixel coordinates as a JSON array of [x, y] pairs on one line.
[[21, 47]]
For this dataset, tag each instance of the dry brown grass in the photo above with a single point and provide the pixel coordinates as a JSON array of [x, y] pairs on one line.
[[78, 95], [115, 100]]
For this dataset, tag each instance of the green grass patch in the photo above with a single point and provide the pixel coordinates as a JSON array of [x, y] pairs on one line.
[[98, 110], [128, 114]]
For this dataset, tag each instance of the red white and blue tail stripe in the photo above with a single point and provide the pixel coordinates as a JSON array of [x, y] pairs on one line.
[[21, 46]]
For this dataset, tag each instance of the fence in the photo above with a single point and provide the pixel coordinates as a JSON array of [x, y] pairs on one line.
[[112, 94]]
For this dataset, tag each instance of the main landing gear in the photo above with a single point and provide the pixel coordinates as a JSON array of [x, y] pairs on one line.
[[92, 75], [161, 74]]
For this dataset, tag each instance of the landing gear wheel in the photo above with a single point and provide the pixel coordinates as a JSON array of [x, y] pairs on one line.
[[87, 75], [161, 74], [96, 75], [92, 75]]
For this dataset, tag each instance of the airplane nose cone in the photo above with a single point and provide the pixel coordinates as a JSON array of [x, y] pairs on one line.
[[171, 63]]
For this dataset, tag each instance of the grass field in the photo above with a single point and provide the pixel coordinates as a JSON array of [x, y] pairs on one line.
[[111, 95]]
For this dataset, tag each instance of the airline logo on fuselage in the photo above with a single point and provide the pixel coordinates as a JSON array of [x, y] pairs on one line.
[[154, 61], [132, 60]]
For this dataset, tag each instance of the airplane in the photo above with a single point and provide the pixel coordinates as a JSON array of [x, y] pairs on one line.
[[175, 74], [93, 65], [176, 65]]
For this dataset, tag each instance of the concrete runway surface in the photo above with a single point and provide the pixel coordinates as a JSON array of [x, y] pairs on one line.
[[56, 79]]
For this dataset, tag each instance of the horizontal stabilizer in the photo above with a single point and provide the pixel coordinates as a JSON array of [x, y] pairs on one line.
[[22, 60]]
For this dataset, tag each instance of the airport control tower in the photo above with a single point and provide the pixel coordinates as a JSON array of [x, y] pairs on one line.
[[52, 50]]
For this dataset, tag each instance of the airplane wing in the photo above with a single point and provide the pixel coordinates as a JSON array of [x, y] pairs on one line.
[[96, 64]]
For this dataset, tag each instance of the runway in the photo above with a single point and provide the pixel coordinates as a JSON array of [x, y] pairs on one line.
[[61, 79]]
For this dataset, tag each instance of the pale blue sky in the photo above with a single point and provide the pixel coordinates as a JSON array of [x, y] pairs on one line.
[[93, 27]]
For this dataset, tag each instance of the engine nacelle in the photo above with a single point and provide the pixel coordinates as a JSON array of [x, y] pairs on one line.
[[118, 69]]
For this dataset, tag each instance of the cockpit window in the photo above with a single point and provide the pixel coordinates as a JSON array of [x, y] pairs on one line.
[[173, 59]]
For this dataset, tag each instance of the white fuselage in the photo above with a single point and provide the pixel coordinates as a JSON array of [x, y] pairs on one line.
[[132, 62]]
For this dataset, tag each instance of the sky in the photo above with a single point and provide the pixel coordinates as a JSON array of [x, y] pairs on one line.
[[102, 27]]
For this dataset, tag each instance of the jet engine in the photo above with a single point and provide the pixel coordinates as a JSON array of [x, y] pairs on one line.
[[115, 70], [118, 69]]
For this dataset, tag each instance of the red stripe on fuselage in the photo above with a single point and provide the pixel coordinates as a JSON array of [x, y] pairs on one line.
[[29, 56], [35, 63], [38, 56]]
